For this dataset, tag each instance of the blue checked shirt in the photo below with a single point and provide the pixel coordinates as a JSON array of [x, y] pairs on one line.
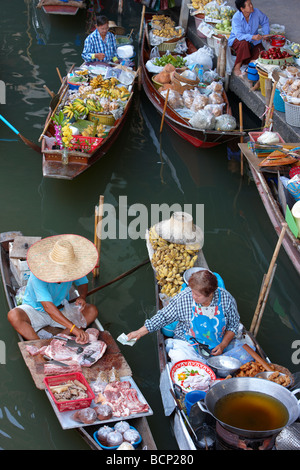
[[94, 44], [180, 309]]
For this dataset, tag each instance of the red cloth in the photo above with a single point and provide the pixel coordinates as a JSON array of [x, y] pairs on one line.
[[244, 52]]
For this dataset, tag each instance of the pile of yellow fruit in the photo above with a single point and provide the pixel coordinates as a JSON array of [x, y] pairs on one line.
[[170, 260], [66, 135]]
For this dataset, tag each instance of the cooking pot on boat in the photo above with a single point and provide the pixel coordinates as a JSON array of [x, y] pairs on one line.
[[242, 384]]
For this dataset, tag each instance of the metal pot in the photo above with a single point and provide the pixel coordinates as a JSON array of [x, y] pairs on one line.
[[241, 384]]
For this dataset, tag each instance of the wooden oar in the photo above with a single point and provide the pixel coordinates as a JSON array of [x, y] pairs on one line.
[[130, 271], [53, 113], [26, 141], [271, 107]]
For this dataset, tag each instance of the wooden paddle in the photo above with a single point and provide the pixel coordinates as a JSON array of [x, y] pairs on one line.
[[130, 271], [26, 141], [257, 357]]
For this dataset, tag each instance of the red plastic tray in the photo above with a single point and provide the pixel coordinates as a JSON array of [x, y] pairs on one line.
[[70, 405], [255, 135]]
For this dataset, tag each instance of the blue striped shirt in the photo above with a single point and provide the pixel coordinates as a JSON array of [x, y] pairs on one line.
[[94, 44], [180, 309]]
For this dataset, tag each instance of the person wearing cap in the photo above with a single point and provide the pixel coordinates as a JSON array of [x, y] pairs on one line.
[[55, 263], [244, 37], [101, 44], [204, 312]]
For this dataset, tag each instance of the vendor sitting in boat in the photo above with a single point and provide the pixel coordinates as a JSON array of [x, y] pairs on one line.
[[244, 37], [101, 44], [205, 313], [55, 263]]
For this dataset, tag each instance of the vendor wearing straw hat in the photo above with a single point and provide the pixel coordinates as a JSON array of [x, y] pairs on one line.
[[55, 263], [101, 44]]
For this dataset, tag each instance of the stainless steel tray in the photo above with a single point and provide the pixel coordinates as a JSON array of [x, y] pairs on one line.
[[65, 417]]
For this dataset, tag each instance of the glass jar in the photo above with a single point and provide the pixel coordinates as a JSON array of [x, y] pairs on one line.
[[65, 156]]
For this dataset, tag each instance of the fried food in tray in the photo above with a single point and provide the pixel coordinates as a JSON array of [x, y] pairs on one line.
[[252, 368]]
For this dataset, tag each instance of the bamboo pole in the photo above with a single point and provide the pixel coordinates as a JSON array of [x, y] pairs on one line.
[[164, 111], [142, 22], [241, 138], [257, 315], [271, 107], [97, 232]]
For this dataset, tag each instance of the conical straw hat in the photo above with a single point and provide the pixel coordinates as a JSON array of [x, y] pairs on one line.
[[181, 229], [62, 258]]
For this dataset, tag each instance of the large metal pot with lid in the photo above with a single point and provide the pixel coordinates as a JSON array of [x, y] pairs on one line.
[[264, 388]]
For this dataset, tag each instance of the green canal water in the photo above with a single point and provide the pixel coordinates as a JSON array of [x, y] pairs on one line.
[[145, 168]]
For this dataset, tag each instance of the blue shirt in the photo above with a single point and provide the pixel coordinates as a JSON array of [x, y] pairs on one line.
[[38, 291], [94, 44], [180, 309], [243, 30]]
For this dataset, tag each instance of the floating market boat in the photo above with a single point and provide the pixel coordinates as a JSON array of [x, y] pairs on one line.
[[87, 116], [198, 137], [14, 275], [64, 7], [274, 197], [199, 429]]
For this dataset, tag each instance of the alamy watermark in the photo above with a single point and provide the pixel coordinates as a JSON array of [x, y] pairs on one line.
[[123, 222]]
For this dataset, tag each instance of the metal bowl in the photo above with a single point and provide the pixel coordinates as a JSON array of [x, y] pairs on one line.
[[223, 365], [187, 274], [266, 375]]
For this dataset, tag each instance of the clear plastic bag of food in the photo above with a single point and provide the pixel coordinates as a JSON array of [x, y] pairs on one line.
[[215, 98], [175, 99], [199, 102], [203, 120], [215, 109], [212, 10], [225, 122]]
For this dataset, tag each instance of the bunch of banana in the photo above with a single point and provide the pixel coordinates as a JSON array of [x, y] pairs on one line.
[[94, 106], [89, 130], [68, 110], [80, 106], [170, 260], [82, 72]]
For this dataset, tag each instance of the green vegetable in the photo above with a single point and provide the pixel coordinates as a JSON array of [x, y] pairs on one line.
[[177, 61]]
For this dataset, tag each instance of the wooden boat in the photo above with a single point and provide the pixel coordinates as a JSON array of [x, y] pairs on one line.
[[57, 7], [112, 356], [274, 200], [78, 161], [178, 418], [197, 137]]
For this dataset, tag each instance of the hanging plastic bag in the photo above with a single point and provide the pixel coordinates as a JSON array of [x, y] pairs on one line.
[[73, 313], [154, 52]]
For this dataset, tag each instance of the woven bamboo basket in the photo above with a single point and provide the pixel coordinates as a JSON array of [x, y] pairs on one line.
[[107, 119], [185, 83]]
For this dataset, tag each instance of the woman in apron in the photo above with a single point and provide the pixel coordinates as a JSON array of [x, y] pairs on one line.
[[204, 312]]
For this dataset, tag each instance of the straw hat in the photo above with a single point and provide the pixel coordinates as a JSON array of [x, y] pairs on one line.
[[181, 229], [62, 258]]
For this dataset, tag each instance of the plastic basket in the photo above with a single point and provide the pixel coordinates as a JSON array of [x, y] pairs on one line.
[[70, 405], [278, 102], [135, 445], [255, 135], [292, 114], [85, 144], [262, 82]]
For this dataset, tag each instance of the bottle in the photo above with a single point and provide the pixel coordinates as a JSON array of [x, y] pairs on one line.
[[200, 73]]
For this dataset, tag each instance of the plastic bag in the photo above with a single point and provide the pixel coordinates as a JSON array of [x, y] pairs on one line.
[[293, 187], [73, 313], [20, 295], [225, 122], [203, 120], [154, 52], [203, 56], [215, 109], [212, 10]]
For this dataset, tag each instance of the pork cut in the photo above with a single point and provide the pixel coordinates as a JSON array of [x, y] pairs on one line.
[[122, 398]]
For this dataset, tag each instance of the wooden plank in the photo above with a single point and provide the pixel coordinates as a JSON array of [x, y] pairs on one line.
[[111, 358]]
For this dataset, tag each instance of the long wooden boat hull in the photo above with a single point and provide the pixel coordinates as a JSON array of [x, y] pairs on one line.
[[11, 285], [57, 7], [290, 243], [200, 138], [78, 162]]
